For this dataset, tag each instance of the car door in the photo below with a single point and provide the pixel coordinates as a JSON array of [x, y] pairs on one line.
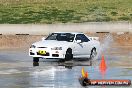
[[82, 48]]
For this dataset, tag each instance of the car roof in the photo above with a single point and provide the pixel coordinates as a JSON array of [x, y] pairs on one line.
[[70, 32]]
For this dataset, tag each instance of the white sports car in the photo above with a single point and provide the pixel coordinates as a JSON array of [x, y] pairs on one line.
[[64, 45]]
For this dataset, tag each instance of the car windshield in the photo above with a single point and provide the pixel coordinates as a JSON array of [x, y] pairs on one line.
[[61, 37]]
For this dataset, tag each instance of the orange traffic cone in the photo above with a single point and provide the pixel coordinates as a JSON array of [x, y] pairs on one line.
[[103, 66], [86, 74]]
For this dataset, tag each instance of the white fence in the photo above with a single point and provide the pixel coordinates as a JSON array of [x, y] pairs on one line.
[[44, 29]]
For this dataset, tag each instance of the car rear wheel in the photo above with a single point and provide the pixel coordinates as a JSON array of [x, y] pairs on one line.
[[35, 59], [93, 53], [69, 55]]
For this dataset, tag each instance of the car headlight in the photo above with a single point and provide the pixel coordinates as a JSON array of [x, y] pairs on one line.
[[56, 48], [32, 46]]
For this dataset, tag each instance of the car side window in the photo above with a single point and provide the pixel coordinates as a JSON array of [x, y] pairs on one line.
[[82, 37]]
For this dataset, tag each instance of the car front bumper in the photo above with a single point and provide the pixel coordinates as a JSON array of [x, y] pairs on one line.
[[46, 53]]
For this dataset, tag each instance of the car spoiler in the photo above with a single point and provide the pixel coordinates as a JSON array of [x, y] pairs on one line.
[[94, 38]]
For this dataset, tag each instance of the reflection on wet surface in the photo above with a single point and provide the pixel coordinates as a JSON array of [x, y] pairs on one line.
[[67, 64], [55, 76]]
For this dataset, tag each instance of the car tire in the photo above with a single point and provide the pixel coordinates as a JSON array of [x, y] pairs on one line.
[[93, 53], [35, 59], [69, 55]]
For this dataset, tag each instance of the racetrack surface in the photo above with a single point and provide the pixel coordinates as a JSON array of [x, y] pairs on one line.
[[17, 70]]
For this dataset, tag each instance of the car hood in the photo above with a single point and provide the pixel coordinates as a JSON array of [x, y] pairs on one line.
[[51, 43]]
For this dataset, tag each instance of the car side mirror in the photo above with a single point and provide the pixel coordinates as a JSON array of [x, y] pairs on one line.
[[79, 41], [43, 38]]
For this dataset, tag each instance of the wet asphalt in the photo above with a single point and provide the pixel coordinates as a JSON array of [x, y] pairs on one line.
[[18, 71]]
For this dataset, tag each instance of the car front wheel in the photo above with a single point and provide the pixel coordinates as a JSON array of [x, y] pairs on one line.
[[69, 55]]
